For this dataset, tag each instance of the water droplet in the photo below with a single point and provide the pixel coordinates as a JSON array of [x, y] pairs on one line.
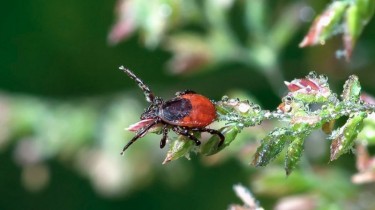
[[348, 104], [256, 108], [333, 98], [233, 102], [243, 107], [323, 79], [288, 99], [312, 75], [225, 98], [267, 114], [246, 102]]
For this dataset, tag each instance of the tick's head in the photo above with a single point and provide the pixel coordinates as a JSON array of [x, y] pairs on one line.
[[152, 112]]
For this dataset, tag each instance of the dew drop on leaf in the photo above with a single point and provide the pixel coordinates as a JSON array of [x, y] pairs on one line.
[[225, 98], [312, 75], [323, 79], [256, 108]]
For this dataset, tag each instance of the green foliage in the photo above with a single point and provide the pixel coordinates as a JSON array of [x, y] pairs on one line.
[[346, 17], [271, 146], [66, 57], [295, 112], [211, 146], [352, 90], [343, 138], [293, 153], [179, 148], [202, 35]]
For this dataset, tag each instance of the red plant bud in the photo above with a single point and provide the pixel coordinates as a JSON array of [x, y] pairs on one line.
[[324, 25], [306, 85], [141, 124]]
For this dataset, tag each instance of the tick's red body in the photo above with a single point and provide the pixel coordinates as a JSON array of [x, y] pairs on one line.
[[200, 111], [186, 113]]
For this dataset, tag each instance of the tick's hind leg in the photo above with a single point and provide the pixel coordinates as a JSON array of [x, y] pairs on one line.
[[165, 136], [185, 132], [212, 132], [139, 134]]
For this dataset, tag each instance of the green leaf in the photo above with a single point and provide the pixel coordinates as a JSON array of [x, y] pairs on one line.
[[270, 147], [352, 89], [324, 26], [343, 138], [311, 98], [211, 146], [367, 134], [179, 148], [332, 17], [293, 154]]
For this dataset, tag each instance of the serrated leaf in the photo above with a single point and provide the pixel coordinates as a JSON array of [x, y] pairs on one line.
[[324, 25], [352, 89], [335, 14], [293, 154], [367, 133], [270, 147], [179, 148], [343, 138], [211, 146]]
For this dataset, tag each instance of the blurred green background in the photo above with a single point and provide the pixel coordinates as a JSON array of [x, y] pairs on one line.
[[64, 104]]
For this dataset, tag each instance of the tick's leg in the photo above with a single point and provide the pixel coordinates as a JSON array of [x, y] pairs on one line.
[[185, 132], [180, 93], [146, 90], [213, 132], [138, 135], [165, 136]]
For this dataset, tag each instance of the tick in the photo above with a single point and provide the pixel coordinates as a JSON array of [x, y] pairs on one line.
[[186, 113]]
